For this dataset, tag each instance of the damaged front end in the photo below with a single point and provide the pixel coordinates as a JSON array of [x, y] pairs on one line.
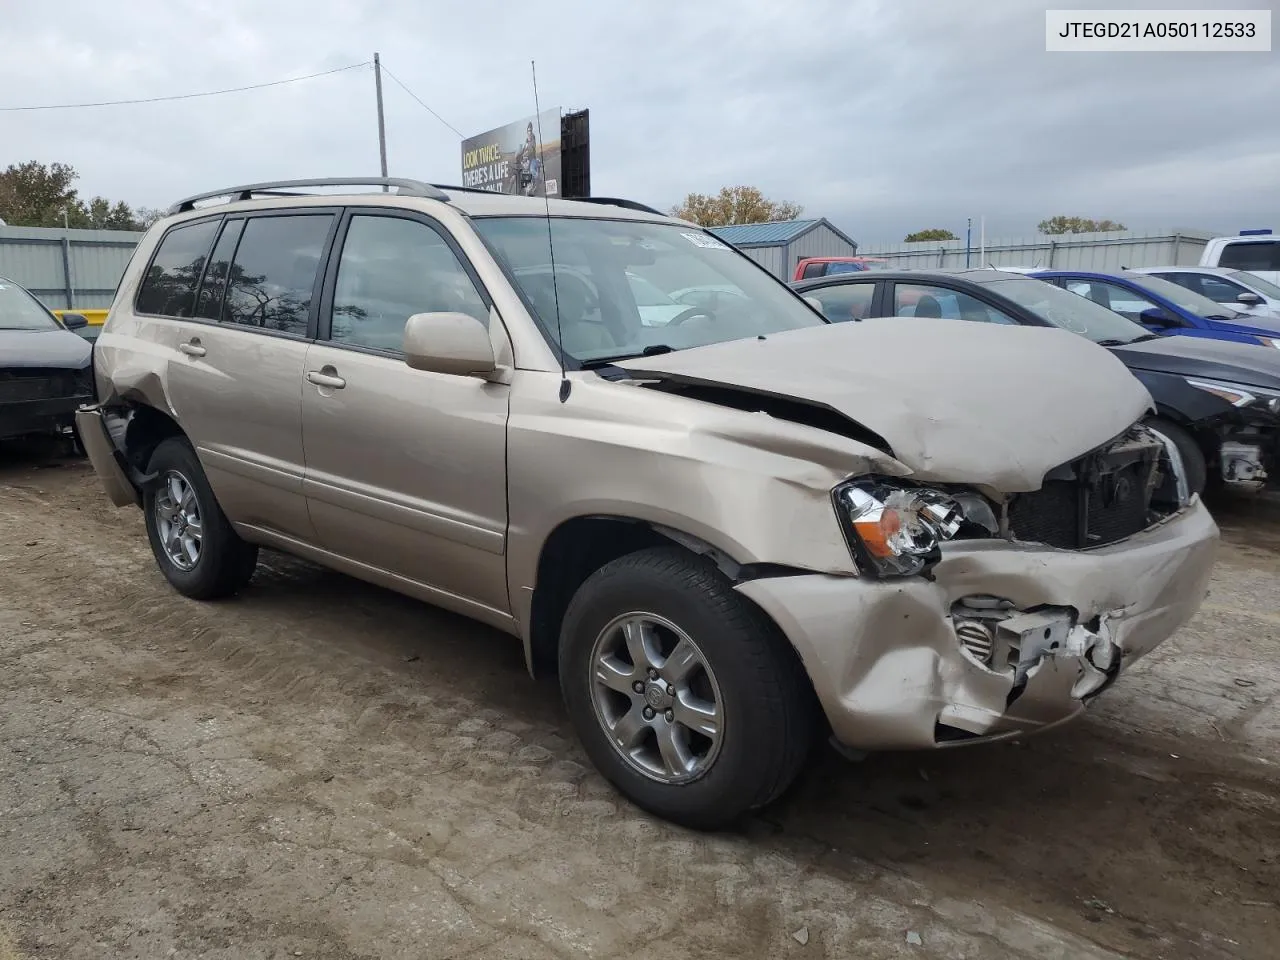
[[981, 616]]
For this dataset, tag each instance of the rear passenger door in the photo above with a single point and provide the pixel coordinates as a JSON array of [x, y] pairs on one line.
[[406, 469], [235, 379]]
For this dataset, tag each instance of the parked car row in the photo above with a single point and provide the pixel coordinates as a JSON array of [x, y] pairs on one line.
[[724, 522], [1217, 401]]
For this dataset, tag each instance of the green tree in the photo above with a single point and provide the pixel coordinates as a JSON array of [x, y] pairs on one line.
[[33, 194], [933, 233], [734, 205], [1061, 224]]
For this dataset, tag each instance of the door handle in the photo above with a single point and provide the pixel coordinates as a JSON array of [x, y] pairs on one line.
[[322, 379], [192, 348]]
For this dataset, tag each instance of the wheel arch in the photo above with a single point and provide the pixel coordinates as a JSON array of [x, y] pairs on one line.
[[581, 545]]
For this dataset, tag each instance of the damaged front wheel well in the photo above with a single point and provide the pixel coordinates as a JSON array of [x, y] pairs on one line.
[[581, 546]]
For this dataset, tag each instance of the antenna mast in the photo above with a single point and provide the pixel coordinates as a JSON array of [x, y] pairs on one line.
[[565, 385]]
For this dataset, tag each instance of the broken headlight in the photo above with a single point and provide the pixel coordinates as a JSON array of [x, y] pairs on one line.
[[894, 530], [1238, 394]]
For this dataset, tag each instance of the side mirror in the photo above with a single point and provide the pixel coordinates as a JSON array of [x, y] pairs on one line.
[[815, 303], [74, 321], [1155, 317], [1249, 299], [455, 343]]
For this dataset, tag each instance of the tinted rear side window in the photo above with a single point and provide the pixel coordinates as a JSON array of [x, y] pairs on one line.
[[169, 288], [1260, 255], [209, 306], [274, 273]]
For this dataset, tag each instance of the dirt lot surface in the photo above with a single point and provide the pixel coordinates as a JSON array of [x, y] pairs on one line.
[[323, 769]]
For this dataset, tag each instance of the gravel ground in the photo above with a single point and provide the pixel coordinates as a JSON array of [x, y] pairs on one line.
[[323, 769]]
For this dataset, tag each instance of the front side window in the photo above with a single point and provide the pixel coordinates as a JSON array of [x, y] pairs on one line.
[[845, 301], [923, 300], [1255, 282], [390, 269], [1217, 289], [1120, 299], [1189, 300], [169, 288], [1251, 255], [589, 305], [20, 310], [273, 275]]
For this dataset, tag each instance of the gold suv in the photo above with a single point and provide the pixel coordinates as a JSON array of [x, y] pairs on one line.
[[727, 524]]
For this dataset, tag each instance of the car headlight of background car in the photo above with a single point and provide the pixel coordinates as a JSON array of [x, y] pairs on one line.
[[1239, 395], [894, 530]]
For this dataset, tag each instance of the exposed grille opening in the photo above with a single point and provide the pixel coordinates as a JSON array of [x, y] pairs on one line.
[[41, 383], [1098, 499]]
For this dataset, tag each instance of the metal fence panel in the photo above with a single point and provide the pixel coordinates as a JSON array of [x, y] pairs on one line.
[[1103, 252], [67, 269]]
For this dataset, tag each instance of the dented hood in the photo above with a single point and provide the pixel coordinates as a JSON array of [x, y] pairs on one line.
[[956, 401]]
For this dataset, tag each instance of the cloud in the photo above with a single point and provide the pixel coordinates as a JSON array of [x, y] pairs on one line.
[[884, 116]]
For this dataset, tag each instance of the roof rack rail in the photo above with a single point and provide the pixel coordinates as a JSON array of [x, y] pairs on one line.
[[411, 188], [618, 202], [454, 186]]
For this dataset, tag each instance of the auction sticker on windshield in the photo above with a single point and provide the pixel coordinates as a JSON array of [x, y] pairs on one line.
[[702, 240], [1155, 31]]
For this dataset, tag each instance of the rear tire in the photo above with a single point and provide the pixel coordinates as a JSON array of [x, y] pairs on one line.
[[720, 689], [1193, 458], [194, 544]]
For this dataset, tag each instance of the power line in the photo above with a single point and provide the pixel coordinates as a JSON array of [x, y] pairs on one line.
[[189, 96], [420, 101]]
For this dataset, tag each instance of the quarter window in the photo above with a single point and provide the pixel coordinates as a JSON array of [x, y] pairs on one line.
[[169, 288], [918, 300], [390, 269], [847, 301]]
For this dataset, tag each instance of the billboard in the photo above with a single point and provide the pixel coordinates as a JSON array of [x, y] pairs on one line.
[[507, 159]]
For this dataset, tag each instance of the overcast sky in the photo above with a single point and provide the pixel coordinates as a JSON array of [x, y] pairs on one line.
[[883, 115]]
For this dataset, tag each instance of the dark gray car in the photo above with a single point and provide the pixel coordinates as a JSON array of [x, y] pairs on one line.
[[44, 367]]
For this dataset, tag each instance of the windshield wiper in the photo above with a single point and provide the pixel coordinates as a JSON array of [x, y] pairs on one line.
[[1113, 342], [650, 351]]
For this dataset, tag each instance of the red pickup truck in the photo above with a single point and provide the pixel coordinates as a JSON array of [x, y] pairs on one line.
[[811, 267]]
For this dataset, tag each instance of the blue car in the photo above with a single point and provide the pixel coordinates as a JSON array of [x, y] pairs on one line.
[[1166, 308]]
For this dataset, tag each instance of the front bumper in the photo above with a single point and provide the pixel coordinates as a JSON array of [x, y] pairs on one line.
[[891, 673], [20, 418], [107, 463]]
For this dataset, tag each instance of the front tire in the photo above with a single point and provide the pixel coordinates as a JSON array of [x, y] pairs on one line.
[[685, 696], [194, 544]]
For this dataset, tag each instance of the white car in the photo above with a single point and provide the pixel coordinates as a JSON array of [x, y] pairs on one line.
[[1238, 289]]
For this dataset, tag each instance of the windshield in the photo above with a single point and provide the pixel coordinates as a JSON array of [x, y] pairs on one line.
[[709, 292], [1264, 287], [19, 310], [1069, 310], [1188, 300]]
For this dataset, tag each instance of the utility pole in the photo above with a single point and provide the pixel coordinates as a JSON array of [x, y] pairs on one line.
[[382, 124], [968, 242]]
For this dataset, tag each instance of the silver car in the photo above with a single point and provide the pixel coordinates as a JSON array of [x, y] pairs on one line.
[[1238, 289], [725, 532]]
